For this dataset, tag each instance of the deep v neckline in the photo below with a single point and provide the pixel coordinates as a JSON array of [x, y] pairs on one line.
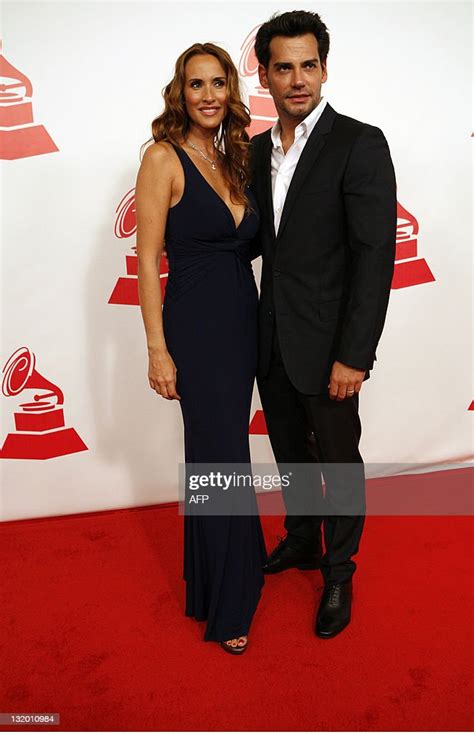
[[236, 226]]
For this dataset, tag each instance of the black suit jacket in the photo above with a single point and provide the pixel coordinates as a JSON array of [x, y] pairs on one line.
[[326, 277]]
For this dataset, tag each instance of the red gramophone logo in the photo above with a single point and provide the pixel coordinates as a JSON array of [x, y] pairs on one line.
[[20, 137], [126, 287], [409, 268], [40, 430], [262, 109]]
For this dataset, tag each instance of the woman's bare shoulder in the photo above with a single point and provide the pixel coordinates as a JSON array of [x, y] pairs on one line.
[[160, 153]]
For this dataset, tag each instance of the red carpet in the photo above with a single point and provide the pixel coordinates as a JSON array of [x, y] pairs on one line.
[[92, 628]]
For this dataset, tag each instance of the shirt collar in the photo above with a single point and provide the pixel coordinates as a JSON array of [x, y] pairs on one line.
[[304, 128]]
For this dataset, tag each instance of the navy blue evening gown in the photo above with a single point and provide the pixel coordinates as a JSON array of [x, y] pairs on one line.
[[210, 326]]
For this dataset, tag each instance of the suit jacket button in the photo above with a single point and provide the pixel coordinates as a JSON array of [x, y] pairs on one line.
[[276, 273], [270, 313]]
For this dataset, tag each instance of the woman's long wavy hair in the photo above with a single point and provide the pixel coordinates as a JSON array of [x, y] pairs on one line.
[[174, 123]]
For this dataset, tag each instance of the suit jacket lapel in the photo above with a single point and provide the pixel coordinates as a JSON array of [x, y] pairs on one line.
[[312, 149], [266, 168]]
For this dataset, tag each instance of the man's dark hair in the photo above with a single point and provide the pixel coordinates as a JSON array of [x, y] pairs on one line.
[[291, 24]]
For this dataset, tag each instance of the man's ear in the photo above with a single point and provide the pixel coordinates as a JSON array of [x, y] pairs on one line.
[[262, 75], [324, 68]]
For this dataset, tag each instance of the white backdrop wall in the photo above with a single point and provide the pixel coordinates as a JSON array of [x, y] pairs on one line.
[[97, 70]]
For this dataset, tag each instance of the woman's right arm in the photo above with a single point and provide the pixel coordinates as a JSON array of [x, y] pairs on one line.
[[152, 200]]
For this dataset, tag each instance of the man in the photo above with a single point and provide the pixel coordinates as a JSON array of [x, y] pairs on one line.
[[325, 186]]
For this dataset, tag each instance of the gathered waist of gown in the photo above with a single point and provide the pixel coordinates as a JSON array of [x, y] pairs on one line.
[[187, 270], [183, 256]]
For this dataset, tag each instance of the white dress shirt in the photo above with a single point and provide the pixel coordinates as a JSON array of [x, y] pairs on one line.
[[283, 166]]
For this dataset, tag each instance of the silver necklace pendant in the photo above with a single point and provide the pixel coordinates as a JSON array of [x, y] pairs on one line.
[[203, 155]]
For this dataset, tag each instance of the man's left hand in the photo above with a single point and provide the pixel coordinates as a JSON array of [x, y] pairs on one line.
[[345, 381]]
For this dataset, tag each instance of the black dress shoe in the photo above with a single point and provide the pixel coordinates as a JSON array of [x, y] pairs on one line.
[[284, 556], [334, 611]]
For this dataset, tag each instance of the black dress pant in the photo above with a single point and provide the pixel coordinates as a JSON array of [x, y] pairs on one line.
[[322, 436]]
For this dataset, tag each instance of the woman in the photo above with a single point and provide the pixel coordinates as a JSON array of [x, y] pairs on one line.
[[192, 193]]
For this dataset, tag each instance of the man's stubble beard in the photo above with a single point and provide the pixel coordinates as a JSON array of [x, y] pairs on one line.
[[297, 115], [300, 115]]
